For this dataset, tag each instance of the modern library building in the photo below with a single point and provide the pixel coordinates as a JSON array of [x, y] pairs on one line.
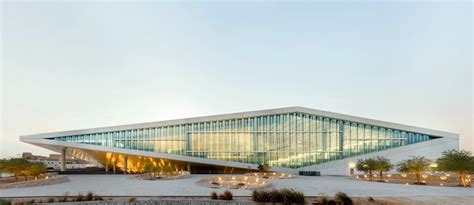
[[289, 139]]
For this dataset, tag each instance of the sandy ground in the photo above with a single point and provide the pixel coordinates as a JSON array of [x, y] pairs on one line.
[[125, 185]]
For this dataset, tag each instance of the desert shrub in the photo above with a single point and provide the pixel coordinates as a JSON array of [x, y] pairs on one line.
[[342, 198], [5, 202], [276, 196], [214, 195], [227, 195], [264, 167], [370, 199], [98, 198], [261, 196], [323, 200], [287, 196], [292, 197], [132, 199], [332, 202], [89, 196], [64, 197], [79, 197]]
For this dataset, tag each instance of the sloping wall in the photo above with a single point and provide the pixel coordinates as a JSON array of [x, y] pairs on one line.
[[431, 149]]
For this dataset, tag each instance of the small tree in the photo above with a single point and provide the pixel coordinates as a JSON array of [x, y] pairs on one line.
[[168, 169], [16, 166], [264, 167], [3, 165], [36, 169], [461, 162], [416, 165], [367, 166], [382, 164], [149, 168]]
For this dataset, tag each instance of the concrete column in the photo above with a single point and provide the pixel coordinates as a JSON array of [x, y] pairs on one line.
[[114, 167], [106, 167], [125, 165], [189, 168], [63, 159]]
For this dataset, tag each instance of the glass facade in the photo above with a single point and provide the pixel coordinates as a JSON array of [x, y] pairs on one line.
[[290, 140]]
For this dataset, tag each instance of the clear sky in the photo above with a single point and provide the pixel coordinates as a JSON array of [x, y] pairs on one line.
[[81, 65]]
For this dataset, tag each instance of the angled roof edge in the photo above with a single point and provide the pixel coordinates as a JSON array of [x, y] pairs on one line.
[[257, 113]]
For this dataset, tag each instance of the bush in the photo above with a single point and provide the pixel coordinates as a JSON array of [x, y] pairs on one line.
[[287, 196], [370, 199], [291, 196], [214, 195], [50, 199], [342, 198], [276, 196], [64, 197], [79, 197], [332, 202], [227, 195], [98, 198], [131, 199], [5, 202], [89, 196], [261, 196], [324, 200], [263, 167]]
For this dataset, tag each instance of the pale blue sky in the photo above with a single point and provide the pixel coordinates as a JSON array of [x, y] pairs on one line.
[[80, 65]]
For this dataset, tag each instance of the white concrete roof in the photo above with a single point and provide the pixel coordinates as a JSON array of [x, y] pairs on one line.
[[285, 110]]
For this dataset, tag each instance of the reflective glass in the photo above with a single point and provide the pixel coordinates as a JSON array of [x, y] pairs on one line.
[[286, 140]]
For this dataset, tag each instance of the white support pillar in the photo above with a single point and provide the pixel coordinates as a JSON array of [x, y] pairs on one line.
[[125, 162], [63, 159], [106, 167], [189, 168]]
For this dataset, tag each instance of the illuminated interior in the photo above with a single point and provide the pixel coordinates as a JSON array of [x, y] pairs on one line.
[[289, 140]]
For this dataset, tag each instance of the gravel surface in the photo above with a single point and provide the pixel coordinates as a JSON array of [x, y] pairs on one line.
[[125, 185]]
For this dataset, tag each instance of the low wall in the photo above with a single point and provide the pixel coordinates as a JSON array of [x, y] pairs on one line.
[[234, 182], [180, 175], [39, 182], [12, 179], [159, 202], [190, 202], [271, 175], [449, 179]]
